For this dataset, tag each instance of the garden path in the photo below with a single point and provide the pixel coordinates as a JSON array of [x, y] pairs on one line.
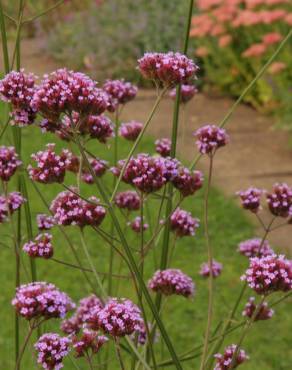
[[257, 155]]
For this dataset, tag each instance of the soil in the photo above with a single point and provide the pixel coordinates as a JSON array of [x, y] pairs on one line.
[[257, 155]]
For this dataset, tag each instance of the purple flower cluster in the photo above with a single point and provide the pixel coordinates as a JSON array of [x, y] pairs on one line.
[[224, 362], [187, 182], [255, 248], [10, 204], [99, 168], [45, 222], [251, 199], [163, 147], [41, 246], [130, 130], [172, 281], [69, 209], [187, 92], [18, 88], [40, 299], [264, 313], [66, 91], [269, 274], [120, 317], [216, 269], [182, 223], [52, 349], [120, 92], [51, 167], [167, 68], [100, 128], [146, 173], [9, 162], [128, 200], [136, 225], [280, 200], [89, 343], [210, 138]]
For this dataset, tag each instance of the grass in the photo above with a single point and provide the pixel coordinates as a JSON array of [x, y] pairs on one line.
[[268, 344]]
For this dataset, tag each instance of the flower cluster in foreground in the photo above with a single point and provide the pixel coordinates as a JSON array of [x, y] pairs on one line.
[[231, 358]]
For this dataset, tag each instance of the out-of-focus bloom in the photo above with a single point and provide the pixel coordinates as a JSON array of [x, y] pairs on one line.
[[9, 204], [130, 130], [224, 362], [51, 350], [202, 52], [70, 326], [216, 269], [272, 38], [66, 91], [288, 19], [280, 200], [172, 281], [9, 162], [41, 246], [88, 343], [167, 68], [251, 199], [99, 168], [146, 173], [163, 147], [264, 313], [45, 222], [120, 92], [40, 299], [187, 182], [128, 200], [69, 209], [120, 317], [210, 138], [255, 248], [224, 40], [255, 50], [100, 128], [269, 274], [182, 223], [136, 225], [51, 167], [277, 67], [187, 92], [18, 88]]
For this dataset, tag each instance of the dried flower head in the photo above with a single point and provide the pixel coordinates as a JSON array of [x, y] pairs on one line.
[[216, 269], [224, 362], [255, 248], [41, 246], [9, 162], [128, 200], [88, 343], [263, 313], [251, 199], [187, 92], [45, 222], [130, 130], [280, 200], [187, 182], [163, 147], [172, 281], [210, 138], [182, 223]]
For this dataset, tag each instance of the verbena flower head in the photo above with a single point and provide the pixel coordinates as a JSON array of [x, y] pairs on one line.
[[40, 299], [130, 130], [167, 68], [71, 325], [72, 163], [264, 313], [224, 362], [172, 281], [45, 222], [251, 199], [255, 248], [172, 166], [41, 246], [216, 269], [163, 147], [88, 343], [51, 167], [69, 209], [51, 350], [66, 91], [9, 162], [269, 274], [187, 182], [128, 200], [141, 334], [100, 128], [137, 225], [120, 317], [120, 92], [210, 138], [10, 204], [18, 88], [187, 92], [280, 200], [182, 223], [99, 168], [146, 173]]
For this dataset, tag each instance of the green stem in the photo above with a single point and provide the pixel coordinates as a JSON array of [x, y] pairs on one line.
[[4, 40]]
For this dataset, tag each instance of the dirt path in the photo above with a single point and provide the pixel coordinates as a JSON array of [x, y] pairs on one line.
[[257, 155]]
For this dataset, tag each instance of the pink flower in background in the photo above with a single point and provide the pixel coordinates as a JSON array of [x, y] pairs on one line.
[[136, 225], [264, 313], [128, 200], [163, 146], [280, 200], [9, 162], [277, 67], [224, 40], [120, 92], [210, 138], [272, 38], [187, 92], [100, 128], [99, 168], [9, 204], [251, 199], [41, 246], [288, 19], [172, 281], [130, 130], [255, 248], [187, 182], [45, 222], [182, 223], [223, 362], [88, 343], [216, 269], [255, 50], [202, 52]]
